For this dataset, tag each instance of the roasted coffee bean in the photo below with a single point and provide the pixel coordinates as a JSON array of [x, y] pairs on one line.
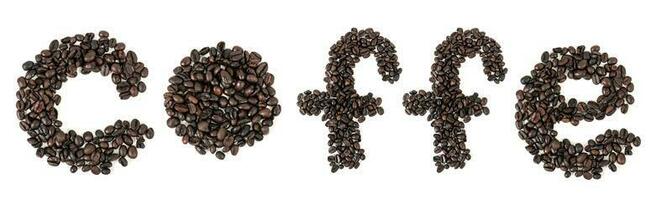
[[341, 103], [220, 155], [123, 161], [37, 101], [265, 112], [173, 122], [105, 170], [541, 105], [95, 170], [620, 159], [132, 152], [446, 103], [28, 65], [89, 149], [53, 160], [216, 96], [203, 126]]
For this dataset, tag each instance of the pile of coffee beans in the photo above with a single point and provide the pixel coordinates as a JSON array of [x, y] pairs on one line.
[[448, 107], [221, 99], [343, 108], [541, 105], [37, 101]]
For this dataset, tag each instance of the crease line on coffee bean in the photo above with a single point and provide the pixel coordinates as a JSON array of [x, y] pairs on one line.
[[341, 103], [448, 107], [37, 101]]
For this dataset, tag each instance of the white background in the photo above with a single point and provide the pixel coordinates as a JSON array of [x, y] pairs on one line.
[[294, 38]]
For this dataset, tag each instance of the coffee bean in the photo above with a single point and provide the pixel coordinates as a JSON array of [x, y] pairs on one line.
[[123, 150], [28, 65], [216, 95], [220, 155], [620, 159], [186, 61], [25, 126], [252, 78], [234, 150], [123, 161], [228, 141], [203, 126], [95, 170], [88, 136], [103, 34], [222, 133], [175, 80], [265, 113], [173, 122], [105, 171], [132, 152], [446, 106], [53, 160], [38, 97], [89, 149], [120, 46], [341, 103], [89, 56], [541, 105], [254, 58], [636, 142]]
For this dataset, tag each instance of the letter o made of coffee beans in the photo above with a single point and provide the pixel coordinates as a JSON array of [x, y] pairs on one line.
[[343, 108], [541, 105], [37, 101], [221, 99], [448, 107]]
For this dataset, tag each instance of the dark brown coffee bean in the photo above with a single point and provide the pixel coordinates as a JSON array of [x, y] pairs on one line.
[[251, 78], [220, 155], [132, 152], [53, 160], [123, 161], [89, 56], [120, 46], [222, 133], [95, 170], [186, 61], [28, 65], [228, 141], [265, 113], [234, 150], [203, 126], [105, 171], [103, 34], [620, 159], [89, 148]]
